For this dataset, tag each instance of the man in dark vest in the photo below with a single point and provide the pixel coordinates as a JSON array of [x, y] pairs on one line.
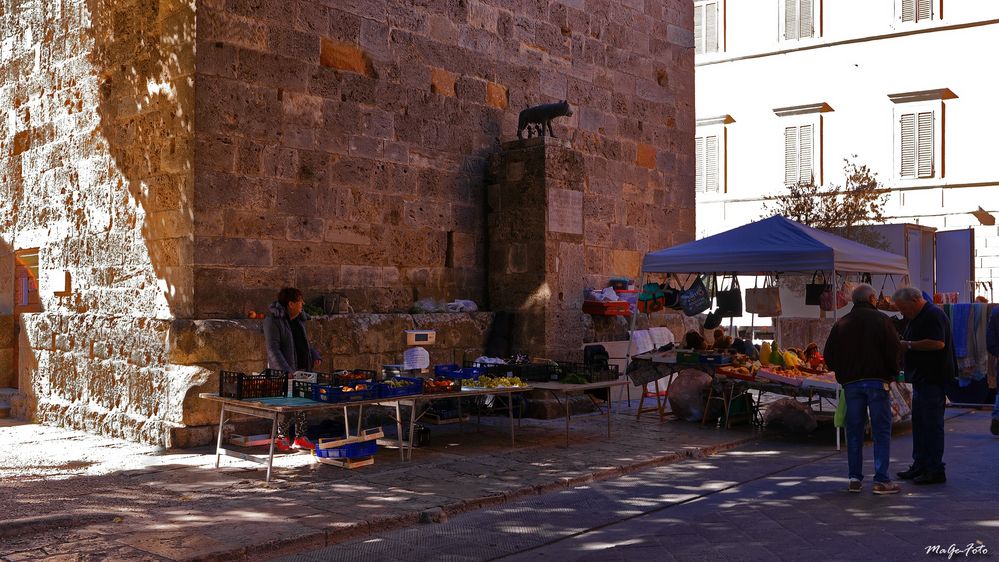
[[929, 363]]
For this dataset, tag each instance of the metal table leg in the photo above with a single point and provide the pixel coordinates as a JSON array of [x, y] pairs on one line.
[[398, 432], [218, 445], [270, 454], [608, 417], [509, 404], [412, 427], [568, 412]]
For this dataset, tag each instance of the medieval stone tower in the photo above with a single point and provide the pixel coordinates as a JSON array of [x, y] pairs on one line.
[[167, 165]]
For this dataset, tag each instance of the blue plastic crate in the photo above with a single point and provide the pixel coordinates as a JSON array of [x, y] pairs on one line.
[[715, 359], [447, 370], [349, 451], [386, 391], [335, 394]]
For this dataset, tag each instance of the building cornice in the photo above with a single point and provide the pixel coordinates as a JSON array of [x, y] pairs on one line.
[[821, 107], [824, 45], [719, 120], [923, 95]]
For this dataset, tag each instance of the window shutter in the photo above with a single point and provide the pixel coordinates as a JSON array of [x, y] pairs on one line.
[[790, 19], [711, 28], [790, 155], [925, 144], [805, 154], [907, 140], [908, 10], [699, 29], [699, 180], [924, 10], [805, 26], [711, 163]]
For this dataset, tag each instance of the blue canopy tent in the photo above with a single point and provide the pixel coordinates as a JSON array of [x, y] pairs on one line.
[[771, 245]]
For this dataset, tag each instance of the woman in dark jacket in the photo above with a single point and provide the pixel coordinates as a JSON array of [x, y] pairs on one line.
[[288, 350]]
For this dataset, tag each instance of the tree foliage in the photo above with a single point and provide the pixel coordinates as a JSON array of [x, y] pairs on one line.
[[841, 209]]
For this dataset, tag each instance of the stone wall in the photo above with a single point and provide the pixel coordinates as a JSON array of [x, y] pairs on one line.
[[8, 377], [182, 159], [344, 146], [96, 171]]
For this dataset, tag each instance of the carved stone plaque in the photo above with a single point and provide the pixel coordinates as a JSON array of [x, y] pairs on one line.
[[565, 211]]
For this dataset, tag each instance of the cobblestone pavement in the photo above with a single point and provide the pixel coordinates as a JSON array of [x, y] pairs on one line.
[[772, 499], [67, 495]]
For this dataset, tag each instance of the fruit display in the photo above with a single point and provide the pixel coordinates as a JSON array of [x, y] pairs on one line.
[[786, 375], [765, 351], [438, 385], [355, 388], [744, 373], [398, 383], [485, 381]]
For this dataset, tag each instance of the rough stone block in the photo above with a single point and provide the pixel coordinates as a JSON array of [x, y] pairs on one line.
[[442, 82], [368, 276], [497, 95], [232, 251], [8, 378], [345, 56]]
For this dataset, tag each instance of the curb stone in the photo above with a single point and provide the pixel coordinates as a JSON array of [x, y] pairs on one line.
[[41, 523]]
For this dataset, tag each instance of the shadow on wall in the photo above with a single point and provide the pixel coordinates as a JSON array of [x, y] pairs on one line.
[[143, 58], [8, 325]]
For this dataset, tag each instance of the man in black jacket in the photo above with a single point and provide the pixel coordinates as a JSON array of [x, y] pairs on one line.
[[929, 363], [862, 349]]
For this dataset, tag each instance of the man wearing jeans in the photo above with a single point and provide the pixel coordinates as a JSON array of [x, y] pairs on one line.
[[862, 348], [992, 343], [929, 363]]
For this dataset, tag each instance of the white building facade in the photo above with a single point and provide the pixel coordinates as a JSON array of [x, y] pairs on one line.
[[787, 89]]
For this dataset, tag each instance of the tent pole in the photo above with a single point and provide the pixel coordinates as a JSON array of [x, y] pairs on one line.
[[643, 277], [835, 291]]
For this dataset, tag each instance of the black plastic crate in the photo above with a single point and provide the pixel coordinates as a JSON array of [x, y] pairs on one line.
[[589, 373], [242, 386], [492, 369], [303, 389], [537, 372]]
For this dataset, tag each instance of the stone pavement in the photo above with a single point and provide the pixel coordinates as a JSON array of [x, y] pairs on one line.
[[772, 499], [67, 495]]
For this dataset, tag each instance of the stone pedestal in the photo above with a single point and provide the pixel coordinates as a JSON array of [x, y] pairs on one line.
[[536, 248]]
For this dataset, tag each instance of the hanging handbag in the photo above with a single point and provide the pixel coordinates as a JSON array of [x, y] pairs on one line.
[[729, 300], [764, 301], [814, 290], [884, 301], [696, 299], [834, 299], [651, 299], [671, 296]]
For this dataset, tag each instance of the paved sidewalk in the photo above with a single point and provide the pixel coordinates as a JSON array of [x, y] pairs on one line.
[[67, 495], [772, 499]]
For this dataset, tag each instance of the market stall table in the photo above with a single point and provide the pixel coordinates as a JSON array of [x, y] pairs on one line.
[[564, 389], [414, 400], [270, 408]]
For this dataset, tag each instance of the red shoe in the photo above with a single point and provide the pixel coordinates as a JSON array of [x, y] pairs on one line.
[[302, 443], [282, 444]]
